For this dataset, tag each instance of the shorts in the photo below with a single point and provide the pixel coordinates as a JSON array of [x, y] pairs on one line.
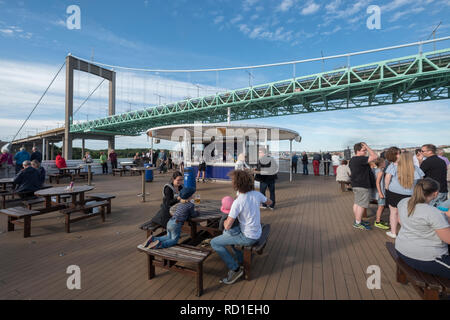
[[362, 197], [202, 167], [381, 202], [393, 198]]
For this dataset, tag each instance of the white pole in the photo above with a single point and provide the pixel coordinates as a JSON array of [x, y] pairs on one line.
[[290, 160], [151, 151], [229, 115], [43, 149]]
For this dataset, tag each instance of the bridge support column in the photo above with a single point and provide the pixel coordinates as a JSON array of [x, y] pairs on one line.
[[67, 151], [52, 155], [82, 149], [47, 150], [111, 144]]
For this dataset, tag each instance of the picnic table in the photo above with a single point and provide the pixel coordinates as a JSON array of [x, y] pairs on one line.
[[68, 170], [5, 181], [58, 192], [207, 220]]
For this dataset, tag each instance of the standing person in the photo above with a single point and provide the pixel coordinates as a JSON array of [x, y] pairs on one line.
[[415, 159], [104, 162], [400, 179], [434, 168], [183, 211], [316, 163], [246, 209], [441, 155], [137, 159], [87, 157], [201, 168], [294, 163], [266, 174], [27, 181], [36, 155], [6, 161], [326, 163], [181, 159], [305, 164], [240, 163], [20, 157], [362, 181], [35, 164], [380, 164], [335, 162], [171, 197], [425, 234], [113, 159]]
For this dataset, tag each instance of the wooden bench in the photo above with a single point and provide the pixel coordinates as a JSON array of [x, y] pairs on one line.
[[56, 176], [120, 171], [16, 213], [4, 195], [150, 228], [102, 197], [30, 203], [258, 248], [428, 286], [84, 209], [168, 258]]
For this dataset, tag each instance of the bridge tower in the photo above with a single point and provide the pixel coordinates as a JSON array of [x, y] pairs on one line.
[[72, 64]]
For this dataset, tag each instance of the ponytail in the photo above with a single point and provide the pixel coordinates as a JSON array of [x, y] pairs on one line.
[[423, 189]]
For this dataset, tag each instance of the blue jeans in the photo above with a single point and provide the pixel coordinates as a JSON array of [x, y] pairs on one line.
[[305, 169], [231, 237], [173, 234]]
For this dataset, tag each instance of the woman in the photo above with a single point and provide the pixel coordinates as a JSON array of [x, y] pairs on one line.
[[401, 177], [6, 162], [60, 162], [240, 164], [335, 162], [170, 197], [425, 234]]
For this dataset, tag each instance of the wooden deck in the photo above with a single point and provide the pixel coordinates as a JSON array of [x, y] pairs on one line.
[[313, 251]]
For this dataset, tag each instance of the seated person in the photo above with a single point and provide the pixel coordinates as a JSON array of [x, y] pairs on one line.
[[28, 181], [35, 164], [60, 162], [184, 210], [225, 209], [425, 233]]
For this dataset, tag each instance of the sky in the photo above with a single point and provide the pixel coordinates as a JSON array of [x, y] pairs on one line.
[[179, 34]]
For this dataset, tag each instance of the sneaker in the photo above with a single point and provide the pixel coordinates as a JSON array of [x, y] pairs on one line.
[[147, 242], [380, 225], [361, 226], [392, 235], [233, 276], [386, 223], [153, 244], [366, 223]]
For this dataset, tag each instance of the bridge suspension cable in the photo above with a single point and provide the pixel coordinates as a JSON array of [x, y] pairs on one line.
[[87, 98], [419, 43], [39, 101]]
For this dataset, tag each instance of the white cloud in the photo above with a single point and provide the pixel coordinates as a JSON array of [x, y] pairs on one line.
[[285, 5], [218, 19], [310, 8], [236, 19], [400, 14]]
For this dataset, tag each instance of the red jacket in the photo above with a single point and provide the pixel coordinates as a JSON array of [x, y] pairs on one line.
[[60, 162]]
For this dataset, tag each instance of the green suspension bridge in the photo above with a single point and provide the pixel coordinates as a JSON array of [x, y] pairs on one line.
[[414, 78]]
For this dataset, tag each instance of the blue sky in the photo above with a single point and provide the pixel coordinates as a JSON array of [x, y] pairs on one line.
[[34, 40]]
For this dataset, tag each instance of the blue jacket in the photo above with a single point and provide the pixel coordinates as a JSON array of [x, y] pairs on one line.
[[28, 180], [21, 156]]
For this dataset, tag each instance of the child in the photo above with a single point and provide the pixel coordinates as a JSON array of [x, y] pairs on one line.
[[343, 174], [183, 211], [380, 164]]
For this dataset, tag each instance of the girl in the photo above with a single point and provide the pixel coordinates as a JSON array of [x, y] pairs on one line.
[[425, 234], [380, 164], [401, 176]]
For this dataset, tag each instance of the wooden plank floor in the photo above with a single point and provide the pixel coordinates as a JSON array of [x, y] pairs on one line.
[[313, 252]]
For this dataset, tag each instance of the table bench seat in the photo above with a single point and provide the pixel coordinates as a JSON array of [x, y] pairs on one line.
[[258, 248], [56, 176], [168, 258], [102, 197], [84, 209], [428, 286], [30, 203], [17, 213]]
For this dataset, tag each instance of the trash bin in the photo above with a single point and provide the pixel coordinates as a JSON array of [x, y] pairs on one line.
[[148, 173], [189, 177]]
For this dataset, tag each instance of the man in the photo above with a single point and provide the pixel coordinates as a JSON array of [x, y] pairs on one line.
[[294, 163], [316, 163], [305, 164], [36, 155], [326, 163], [27, 181], [36, 165], [104, 162], [362, 180], [440, 154], [113, 159], [434, 168], [266, 174], [20, 157]]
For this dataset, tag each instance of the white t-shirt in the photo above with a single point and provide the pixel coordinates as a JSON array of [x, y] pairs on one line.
[[246, 208], [343, 173]]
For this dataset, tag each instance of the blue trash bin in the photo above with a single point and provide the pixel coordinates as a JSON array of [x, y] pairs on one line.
[[148, 173], [189, 177]]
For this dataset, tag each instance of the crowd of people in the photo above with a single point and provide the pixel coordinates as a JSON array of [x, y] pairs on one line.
[[414, 188]]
